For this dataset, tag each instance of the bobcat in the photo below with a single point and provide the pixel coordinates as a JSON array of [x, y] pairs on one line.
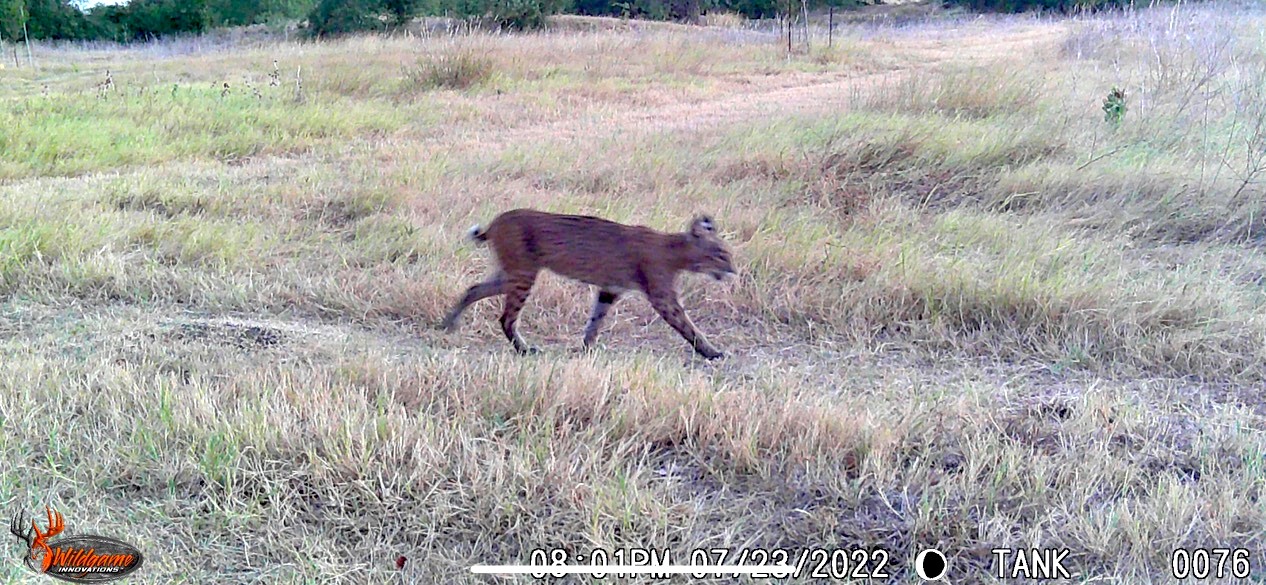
[[614, 257]]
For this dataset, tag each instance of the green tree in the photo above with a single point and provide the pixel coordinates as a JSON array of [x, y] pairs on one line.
[[401, 11], [109, 21], [232, 12], [685, 10], [246, 12], [55, 19], [12, 16], [146, 19], [334, 17]]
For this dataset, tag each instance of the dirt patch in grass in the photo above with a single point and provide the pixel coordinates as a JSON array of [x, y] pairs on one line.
[[239, 335]]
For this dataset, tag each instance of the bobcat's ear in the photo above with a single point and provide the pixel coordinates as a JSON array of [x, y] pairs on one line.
[[701, 226]]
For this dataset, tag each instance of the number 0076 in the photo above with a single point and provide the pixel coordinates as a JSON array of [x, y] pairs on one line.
[[1205, 563]]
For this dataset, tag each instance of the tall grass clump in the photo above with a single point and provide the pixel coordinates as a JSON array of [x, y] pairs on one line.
[[963, 92], [458, 68]]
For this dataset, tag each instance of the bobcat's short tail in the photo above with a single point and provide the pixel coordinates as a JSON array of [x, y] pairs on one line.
[[477, 234]]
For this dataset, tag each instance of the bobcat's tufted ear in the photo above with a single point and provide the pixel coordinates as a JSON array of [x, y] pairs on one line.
[[702, 225]]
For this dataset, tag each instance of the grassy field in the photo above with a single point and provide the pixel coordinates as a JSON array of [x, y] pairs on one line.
[[973, 311]]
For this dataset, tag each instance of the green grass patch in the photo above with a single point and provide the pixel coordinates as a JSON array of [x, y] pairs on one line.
[[70, 134]]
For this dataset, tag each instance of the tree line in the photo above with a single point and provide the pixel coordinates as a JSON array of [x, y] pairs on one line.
[[146, 19], [138, 19]]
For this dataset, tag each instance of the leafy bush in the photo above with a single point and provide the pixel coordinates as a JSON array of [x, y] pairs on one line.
[[49, 19], [648, 9], [754, 8], [156, 18], [334, 17], [518, 14], [1114, 106], [244, 12], [12, 16]]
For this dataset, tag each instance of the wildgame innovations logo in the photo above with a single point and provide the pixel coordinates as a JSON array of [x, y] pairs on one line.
[[78, 559]]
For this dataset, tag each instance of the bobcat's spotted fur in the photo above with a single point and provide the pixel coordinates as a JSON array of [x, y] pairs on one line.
[[616, 258]]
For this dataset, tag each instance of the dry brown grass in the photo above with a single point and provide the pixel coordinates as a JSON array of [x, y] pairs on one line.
[[954, 325]]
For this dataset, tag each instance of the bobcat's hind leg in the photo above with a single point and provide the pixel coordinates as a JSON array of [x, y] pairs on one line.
[[519, 286], [492, 287]]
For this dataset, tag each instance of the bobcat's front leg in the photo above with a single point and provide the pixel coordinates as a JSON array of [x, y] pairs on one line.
[[664, 300]]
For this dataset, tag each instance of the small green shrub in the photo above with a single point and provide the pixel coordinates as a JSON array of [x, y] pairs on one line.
[[1114, 106]]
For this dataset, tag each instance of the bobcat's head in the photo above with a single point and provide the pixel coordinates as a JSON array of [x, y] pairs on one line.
[[707, 253]]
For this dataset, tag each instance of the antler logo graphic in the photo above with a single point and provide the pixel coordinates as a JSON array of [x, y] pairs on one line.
[[40, 542], [85, 558]]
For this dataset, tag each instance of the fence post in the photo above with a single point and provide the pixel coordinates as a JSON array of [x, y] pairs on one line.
[[30, 59], [789, 13], [830, 28], [804, 6]]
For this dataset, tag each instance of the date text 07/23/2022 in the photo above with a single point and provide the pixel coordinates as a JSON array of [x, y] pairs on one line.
[[813, 563]]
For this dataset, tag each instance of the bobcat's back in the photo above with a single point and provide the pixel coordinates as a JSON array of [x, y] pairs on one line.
[[586, 248]]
